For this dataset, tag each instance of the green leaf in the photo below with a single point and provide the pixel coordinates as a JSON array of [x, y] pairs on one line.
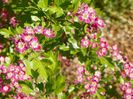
[[64, 48], [105, 61], [62, 96], [5, 32], [99, 96], [56, 10], [58, 2], [37, 65], [42, 4], [35, 18], [26, 88], [75, 4], [73, 42], [51, 61], [28, 67], [59, 84]]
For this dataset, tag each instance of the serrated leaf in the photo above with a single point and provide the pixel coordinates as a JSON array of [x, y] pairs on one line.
[[37, 65], [5, 32]]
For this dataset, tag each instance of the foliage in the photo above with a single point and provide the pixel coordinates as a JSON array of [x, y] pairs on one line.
[[40, 37]]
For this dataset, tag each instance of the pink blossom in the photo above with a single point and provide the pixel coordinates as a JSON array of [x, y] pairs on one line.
[[82, 8], [80, 78], [100, 23], [26, 37], [126, 96], [129, 91], [2, 59], [5, 1], [5, 88], [38, 30], [35, 45], [13, 21], [94, 45], [21, 46], [4, 15], [85, 42], [29, 30], [81, 69], [1, 46], [49, 33]]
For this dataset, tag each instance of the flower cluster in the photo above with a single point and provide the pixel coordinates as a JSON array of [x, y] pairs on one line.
[[91, 87], [10, 77], [28, 38], [80, 74], [89, 82], [102, 51], [4, 60], [128, 70], [127, 66], [21, 95], [88, 15], [127, 90], [116, 54]]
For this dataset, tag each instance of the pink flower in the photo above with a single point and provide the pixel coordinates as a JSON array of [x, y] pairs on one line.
[[26, 37], [2, 59], [82, 8], [5, 1], [94, 45], [125, 86], [87, 86], [35, 45], [5, 88], [1, 46], [81, 69], [131, 75], [129, 91], [38, 30], [21, 95], [115, 48], [29, 30], [98, 74], [102, 52], [49, 33], [21, 46], [85, 42], [100, 23], [4, 15], [80, 78], [126, 96], [9, 75], [13, 21], [92, 90]]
